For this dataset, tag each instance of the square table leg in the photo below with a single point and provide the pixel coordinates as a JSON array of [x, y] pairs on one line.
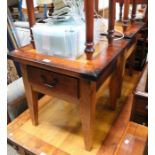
[[87, 110], [31, 96], [120, 73]]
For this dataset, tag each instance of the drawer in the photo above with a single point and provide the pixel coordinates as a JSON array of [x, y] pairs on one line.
[[51, 83]]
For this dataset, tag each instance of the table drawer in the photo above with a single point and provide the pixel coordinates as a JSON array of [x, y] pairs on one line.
[[52, 83]]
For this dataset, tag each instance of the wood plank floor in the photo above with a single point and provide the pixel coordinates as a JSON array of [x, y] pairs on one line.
[[59, 130], [133, 140], [125, 136]]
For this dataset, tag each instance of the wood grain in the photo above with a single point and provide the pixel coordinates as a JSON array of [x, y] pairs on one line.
[[87, 111], [51, 83], [134, 7], [111, 21], [94, 71], [133, 141], [31, 17], [89, 18], [126, 14], [31, 96], [80, 67]]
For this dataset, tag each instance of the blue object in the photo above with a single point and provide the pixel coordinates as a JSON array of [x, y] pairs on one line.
[[21, 18], [45, 10]]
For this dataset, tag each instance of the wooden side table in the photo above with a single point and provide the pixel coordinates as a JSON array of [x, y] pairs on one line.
[[75, 80], [71, 80]]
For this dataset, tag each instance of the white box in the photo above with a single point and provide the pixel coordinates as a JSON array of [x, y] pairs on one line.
[[59, 40], [64, 39]]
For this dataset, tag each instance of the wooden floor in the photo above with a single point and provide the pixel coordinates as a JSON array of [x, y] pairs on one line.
[[59, 130], [133, 140]]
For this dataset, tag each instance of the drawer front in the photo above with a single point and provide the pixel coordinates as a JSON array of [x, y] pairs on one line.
[[52, 83]]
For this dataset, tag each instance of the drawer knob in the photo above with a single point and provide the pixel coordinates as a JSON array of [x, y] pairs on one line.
[[49, 84]]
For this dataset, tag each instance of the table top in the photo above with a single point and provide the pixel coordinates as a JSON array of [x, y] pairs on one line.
[[103, 56]]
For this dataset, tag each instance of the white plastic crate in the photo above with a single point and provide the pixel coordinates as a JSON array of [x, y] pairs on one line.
[[64, 39]]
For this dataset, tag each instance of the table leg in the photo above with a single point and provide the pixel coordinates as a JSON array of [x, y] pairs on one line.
[[120, 73], [113, 86], [87, 110], [131, 63], [31, 96]]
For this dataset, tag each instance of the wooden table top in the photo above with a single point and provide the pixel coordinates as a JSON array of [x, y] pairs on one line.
[[104, 56]]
